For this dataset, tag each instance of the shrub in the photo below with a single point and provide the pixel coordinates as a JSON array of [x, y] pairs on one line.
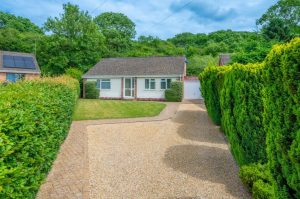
[[34, 120], [175, 93], [75, 73], [242, 107], [211, 85], [91, 91], [282, 116], [257, 178]]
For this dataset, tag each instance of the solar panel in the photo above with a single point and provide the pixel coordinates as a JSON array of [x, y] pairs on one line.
[[18, 62]]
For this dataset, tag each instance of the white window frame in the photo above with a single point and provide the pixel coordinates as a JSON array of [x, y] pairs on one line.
[[100, 81], [165, 80], [150, 80]]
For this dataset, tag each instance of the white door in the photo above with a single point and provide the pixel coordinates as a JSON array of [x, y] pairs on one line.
[[192, 89], [129, 88]]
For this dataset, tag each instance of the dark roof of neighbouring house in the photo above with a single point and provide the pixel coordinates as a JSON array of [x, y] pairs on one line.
[[15, 68], [138, 66], [224, 59]]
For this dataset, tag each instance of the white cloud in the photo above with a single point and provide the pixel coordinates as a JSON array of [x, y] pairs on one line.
[[156, 17]]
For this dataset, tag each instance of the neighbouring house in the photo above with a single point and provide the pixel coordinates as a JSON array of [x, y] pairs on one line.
[[15, 66], [141, 78], [224, 59]]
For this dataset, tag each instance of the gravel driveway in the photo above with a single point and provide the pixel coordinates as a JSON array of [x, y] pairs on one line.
[[182, 157]]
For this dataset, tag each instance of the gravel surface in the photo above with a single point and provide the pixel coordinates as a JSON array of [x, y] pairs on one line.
[[182, 157]]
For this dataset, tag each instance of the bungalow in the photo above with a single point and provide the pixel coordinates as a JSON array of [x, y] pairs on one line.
[[15, 66], [142, 78]]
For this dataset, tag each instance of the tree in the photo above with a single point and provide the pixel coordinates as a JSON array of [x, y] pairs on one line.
[[14, 40], [118, 30], [19, 23], [281, 21], [75, 41]]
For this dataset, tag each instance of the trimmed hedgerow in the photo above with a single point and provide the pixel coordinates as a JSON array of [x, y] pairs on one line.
[[257, 178], [211, 84], [35, 117], [242, 107], [282, 117], [259, 109], [175, 93], [91, 91]]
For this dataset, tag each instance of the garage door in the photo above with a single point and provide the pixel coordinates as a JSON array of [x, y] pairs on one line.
[[192, 89]]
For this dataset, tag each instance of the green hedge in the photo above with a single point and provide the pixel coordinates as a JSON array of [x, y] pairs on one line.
[[282, 117], [242, 107], [35, 117], [258, 180], [91, 91], [175, 93], [258, 107], [211, 84]]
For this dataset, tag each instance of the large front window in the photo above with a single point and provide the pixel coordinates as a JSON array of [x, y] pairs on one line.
[[149, 84], [103, 84], [13, 77]]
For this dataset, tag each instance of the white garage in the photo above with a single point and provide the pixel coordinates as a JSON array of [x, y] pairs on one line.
[[192, 88]]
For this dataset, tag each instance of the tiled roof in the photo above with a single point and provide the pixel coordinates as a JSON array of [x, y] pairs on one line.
[[138, 66]]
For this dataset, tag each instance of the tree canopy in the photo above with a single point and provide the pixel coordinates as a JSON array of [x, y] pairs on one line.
[[118, 30], [76, 40], [21, 24], [282, 20]]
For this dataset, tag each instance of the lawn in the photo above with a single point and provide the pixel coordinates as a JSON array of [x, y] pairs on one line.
[[91, 109]]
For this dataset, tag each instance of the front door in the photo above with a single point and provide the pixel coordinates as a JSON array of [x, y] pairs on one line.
[[129, 88]]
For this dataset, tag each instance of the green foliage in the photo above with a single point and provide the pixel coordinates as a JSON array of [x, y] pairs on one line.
[[75, 41], [35, 117], [281, 21], [211, 84], [282, 116], [175, 93], [21, 24], [241, 109], [260, 114], [258, 180], [118, 30], [74, 73], [153, 46], [197, 63], [14, 40], [91, 91]]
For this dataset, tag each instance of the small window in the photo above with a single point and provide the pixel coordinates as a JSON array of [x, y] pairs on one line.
[[103, 84], [13, 77], [165, 83], [150, 84], [169, 83], [147, 84]]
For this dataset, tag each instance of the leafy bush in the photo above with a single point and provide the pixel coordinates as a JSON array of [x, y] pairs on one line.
[[175, 93], [35, 117], [282, 116], [211, 84], [242, 107], [258, 180], [91, 91], [75, 73]]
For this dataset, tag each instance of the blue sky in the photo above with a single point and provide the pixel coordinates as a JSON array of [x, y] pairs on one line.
[[162, 18]]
